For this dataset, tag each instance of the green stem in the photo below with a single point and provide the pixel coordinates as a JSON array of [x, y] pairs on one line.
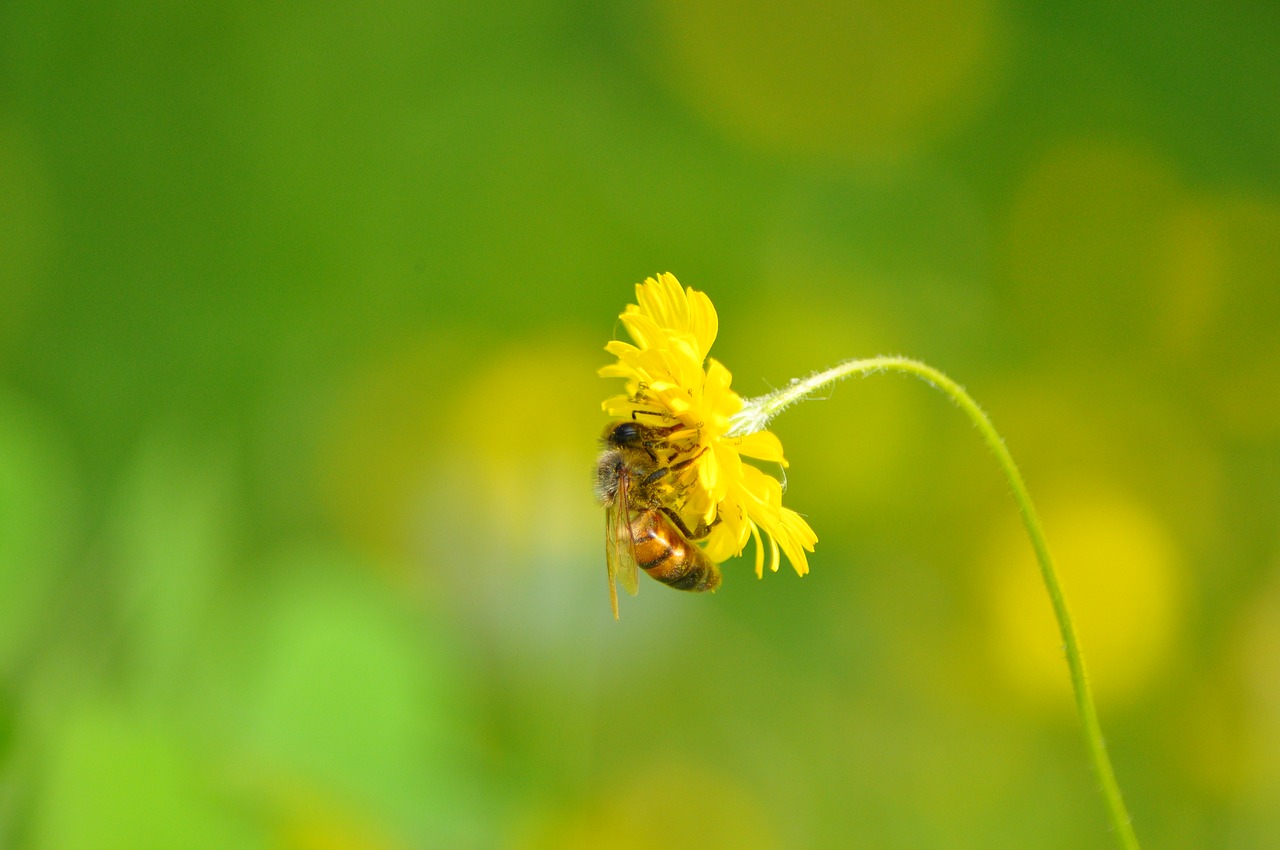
[[757, 412]]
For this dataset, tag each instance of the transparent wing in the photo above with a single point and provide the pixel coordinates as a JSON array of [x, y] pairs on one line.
[[628, 571], [619, 547], [612, 556]]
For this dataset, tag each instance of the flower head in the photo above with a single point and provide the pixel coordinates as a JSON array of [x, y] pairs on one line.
[[670, 381]]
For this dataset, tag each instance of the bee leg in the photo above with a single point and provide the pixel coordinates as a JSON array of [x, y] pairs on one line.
[[660, 434], [703, 528], [642, 397], [696, 534], [684, 464], [656, 475]]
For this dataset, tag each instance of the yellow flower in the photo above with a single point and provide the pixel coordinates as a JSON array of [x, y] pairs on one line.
[[670, 379]]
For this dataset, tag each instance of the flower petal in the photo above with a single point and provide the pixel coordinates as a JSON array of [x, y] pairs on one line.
[[762, 445]]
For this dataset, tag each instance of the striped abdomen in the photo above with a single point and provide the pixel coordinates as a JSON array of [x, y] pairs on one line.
[[664, 553]]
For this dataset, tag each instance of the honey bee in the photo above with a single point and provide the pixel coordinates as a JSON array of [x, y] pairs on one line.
[[640, 530]]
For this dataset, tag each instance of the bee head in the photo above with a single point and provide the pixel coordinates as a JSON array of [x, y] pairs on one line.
[[625, 433]]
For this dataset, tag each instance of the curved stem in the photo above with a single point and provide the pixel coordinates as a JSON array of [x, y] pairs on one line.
[[756, 412]]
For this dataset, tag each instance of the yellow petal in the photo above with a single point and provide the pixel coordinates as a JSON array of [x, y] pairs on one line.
[[703, 321], [755, 532], [763, 445]]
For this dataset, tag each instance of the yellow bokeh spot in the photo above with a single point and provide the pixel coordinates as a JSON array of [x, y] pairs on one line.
[[1220, 305], [376, 440], [522, 437], [1213, 736], [412, 448], [871, 81], [1240, 354], [1110, 253], [1256, 648], [327, 831], [1123, 579], [670, 804], [309, 820], [1195, 274], [1086, 244], [882, 417]]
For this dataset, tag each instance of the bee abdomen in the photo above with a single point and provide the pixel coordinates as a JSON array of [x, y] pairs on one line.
[[676, 563], [696, 578]]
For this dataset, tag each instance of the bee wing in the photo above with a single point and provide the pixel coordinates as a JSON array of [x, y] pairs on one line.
[[628, 571], [619, 548], [611, 556]]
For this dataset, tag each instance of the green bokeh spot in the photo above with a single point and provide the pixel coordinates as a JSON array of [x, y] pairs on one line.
[[350, 694], [37, 513], [116, 781]]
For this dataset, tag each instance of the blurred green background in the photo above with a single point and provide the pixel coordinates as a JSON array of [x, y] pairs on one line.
[[300, 307]]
